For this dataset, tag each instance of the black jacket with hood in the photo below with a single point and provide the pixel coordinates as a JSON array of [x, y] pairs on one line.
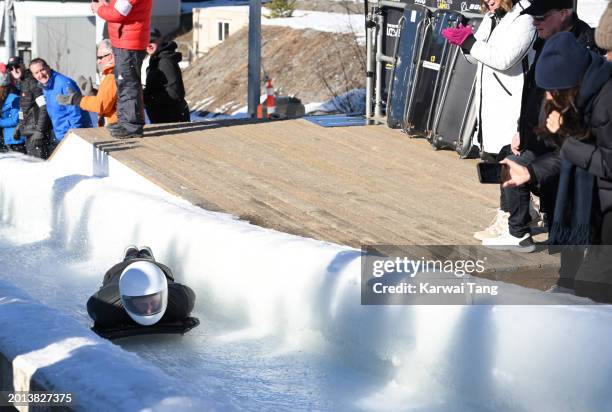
[[33, 109], [595, 154], [164, 93]]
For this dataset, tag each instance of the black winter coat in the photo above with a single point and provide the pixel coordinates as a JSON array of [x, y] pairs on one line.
[[164, 93], [595, 155], [106, 309], [33, 109], [546, 167]]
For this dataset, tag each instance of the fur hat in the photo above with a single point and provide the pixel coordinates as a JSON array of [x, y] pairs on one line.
[[603, 33]]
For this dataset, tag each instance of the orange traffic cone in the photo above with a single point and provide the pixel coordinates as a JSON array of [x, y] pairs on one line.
[[270, 99]]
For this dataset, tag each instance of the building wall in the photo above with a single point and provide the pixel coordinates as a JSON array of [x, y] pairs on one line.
[[166, 7], [206, 25], [68, 54]]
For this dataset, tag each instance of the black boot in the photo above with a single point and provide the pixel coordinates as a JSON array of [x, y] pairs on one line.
[[120, 132], [130, 252], [145, 252]]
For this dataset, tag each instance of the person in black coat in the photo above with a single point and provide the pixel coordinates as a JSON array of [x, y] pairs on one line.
[[164, 93], [34, 122], [113, 305], [578, 112]]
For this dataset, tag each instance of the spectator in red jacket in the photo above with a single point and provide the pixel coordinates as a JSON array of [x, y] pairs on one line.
[[129, 25]]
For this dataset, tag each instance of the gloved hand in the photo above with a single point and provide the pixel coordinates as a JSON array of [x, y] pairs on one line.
[[457, 35], [73, 98], [86, 86]]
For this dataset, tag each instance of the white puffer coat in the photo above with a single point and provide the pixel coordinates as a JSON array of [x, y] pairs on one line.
[[499, 53]]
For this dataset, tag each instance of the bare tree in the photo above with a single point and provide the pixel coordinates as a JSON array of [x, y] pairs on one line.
[[344, 54]]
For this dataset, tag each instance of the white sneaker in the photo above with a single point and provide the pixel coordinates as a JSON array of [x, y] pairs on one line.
[[496, 227], [506, 241], [561, 289]]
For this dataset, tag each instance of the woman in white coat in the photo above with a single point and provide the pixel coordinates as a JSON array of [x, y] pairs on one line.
[[502, 48]]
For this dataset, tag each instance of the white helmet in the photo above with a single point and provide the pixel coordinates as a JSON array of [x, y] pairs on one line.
[[144, 292]]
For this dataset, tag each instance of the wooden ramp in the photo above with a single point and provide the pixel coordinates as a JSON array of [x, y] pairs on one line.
[[348, 185]]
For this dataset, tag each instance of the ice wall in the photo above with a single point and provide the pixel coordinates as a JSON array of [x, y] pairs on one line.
[[308, 293]]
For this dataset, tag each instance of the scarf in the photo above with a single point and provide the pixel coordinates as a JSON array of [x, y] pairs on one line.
[[573, 217]]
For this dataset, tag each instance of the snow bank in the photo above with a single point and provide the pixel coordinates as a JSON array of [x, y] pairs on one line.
[[351, 102], [46, 350], [307, 294]]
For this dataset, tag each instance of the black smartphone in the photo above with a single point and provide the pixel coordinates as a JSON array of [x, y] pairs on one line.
[[489, 172]]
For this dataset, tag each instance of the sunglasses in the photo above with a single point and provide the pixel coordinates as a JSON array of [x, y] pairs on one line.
[[101, 57]]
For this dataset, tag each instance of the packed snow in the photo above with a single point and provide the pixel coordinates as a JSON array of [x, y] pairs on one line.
[[282, 324], [58, 345]]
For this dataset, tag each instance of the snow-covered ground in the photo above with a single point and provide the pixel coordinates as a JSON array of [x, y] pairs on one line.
[[282, 324], [301, 19]]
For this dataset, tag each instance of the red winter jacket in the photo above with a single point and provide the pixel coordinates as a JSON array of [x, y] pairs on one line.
[[129, 23]]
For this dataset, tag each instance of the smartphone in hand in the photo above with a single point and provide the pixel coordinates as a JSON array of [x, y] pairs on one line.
[[489, 172]]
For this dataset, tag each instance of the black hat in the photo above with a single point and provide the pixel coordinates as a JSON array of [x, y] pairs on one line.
[[562, 63], [14, 61], [154, 35], [541, 7]]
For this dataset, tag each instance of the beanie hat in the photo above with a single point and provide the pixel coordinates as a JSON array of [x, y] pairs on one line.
[[562, 63], [603, 33]]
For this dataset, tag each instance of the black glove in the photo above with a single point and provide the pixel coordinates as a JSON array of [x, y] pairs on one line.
[[73, 98]]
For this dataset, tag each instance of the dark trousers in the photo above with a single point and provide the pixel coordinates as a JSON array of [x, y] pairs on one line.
[[516, 200], [606, 228], [37, 147], [503, 153], [17, 148], [175, 112], [593, 275], [130, 107]]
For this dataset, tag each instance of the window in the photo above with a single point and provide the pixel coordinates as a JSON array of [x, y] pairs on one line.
[[223, 30]]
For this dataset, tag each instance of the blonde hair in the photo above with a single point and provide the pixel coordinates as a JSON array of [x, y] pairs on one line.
[[505, 5]]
